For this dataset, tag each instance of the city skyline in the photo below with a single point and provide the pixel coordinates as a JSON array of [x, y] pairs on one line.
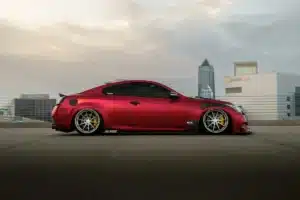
[[47, 50]]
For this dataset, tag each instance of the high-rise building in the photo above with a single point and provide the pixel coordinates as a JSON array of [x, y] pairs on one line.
[[36, 107], [206, 80]]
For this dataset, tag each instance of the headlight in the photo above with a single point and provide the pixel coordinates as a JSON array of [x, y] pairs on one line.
[[236, 108]]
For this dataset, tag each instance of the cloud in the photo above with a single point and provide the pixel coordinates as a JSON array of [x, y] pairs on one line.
[[52, 61], [151, 40]]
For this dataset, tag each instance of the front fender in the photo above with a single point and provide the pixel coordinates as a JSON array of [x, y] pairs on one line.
[[226, 109]]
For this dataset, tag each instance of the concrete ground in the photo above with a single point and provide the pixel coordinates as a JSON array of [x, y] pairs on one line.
[[41, 163]]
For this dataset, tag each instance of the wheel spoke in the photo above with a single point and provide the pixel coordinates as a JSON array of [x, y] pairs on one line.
[[220, 124], [213, 114], [87, 121], [215, 121]]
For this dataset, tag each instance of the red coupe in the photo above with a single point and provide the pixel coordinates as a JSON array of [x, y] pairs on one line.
[[139, 105]]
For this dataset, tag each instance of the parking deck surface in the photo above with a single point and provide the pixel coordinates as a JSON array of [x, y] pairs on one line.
[[43, 164]]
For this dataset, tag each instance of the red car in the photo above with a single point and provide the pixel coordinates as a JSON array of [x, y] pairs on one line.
[[139, 105]]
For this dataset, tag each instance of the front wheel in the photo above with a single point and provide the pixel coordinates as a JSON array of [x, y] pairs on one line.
[[88, 122], [216, 121]]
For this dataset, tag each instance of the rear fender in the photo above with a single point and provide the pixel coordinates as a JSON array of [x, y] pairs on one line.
[[92, 106]]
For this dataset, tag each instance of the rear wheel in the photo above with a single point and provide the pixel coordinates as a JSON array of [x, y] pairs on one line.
[[216, 121], [88, 122]]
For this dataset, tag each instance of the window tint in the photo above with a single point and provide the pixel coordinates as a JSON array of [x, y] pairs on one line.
[[138, 89], [120, 90], [151, 90]]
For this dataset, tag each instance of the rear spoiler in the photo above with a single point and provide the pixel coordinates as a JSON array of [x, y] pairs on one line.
[[61, 95]]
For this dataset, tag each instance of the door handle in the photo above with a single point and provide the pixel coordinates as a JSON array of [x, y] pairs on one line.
[[134, 103]]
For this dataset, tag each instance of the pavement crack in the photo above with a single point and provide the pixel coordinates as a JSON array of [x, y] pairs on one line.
[[16, 145], [286, 145]]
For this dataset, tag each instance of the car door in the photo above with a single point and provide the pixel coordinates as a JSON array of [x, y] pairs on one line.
[[123, 106], [156, 110]]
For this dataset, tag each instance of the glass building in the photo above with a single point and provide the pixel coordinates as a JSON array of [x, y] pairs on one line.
[[206, 80]]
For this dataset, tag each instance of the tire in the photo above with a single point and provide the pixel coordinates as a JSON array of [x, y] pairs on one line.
[[215, 121], [88, 122]]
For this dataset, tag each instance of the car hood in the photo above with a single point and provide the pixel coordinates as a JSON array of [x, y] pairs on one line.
[[210, 101]]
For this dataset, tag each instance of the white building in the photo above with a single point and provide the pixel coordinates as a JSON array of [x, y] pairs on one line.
[[267, 96]]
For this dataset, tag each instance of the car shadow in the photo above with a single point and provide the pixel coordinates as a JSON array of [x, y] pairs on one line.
[[124, 134]]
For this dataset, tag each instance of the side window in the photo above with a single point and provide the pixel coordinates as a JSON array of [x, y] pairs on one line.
[[109, 90], [151, 90], [120, 90], [138, 89]]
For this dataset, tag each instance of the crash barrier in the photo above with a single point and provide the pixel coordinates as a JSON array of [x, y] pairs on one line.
[[25, 125], [274, 123]]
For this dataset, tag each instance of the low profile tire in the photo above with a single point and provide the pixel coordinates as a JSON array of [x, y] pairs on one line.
[[215, 122], [88, 122]]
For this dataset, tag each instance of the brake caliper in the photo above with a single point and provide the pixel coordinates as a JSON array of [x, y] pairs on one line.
[[222, 120], [94, 122]]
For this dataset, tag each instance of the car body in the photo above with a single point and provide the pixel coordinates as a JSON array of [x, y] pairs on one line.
[[141, 105]]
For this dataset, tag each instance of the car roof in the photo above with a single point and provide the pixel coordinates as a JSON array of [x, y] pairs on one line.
[[117, 82], [131, 80]]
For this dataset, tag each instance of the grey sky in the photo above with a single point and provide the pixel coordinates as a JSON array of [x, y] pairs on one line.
[[66, 46]]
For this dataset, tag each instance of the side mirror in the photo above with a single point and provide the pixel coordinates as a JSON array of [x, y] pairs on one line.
[[174, 95]]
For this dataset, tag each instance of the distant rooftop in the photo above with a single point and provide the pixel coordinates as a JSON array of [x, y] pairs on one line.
[[245, 63], [268, 73], [205, 63], [34, 96]]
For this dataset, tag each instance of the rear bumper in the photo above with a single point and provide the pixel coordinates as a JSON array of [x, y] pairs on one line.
[[60, 128], [54, 126]]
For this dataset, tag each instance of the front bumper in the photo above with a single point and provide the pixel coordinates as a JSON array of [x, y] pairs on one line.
[[245, 129], [241, 125]]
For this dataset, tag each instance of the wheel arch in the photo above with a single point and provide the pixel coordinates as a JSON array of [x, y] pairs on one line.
[[230, 118], [90, 107]]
